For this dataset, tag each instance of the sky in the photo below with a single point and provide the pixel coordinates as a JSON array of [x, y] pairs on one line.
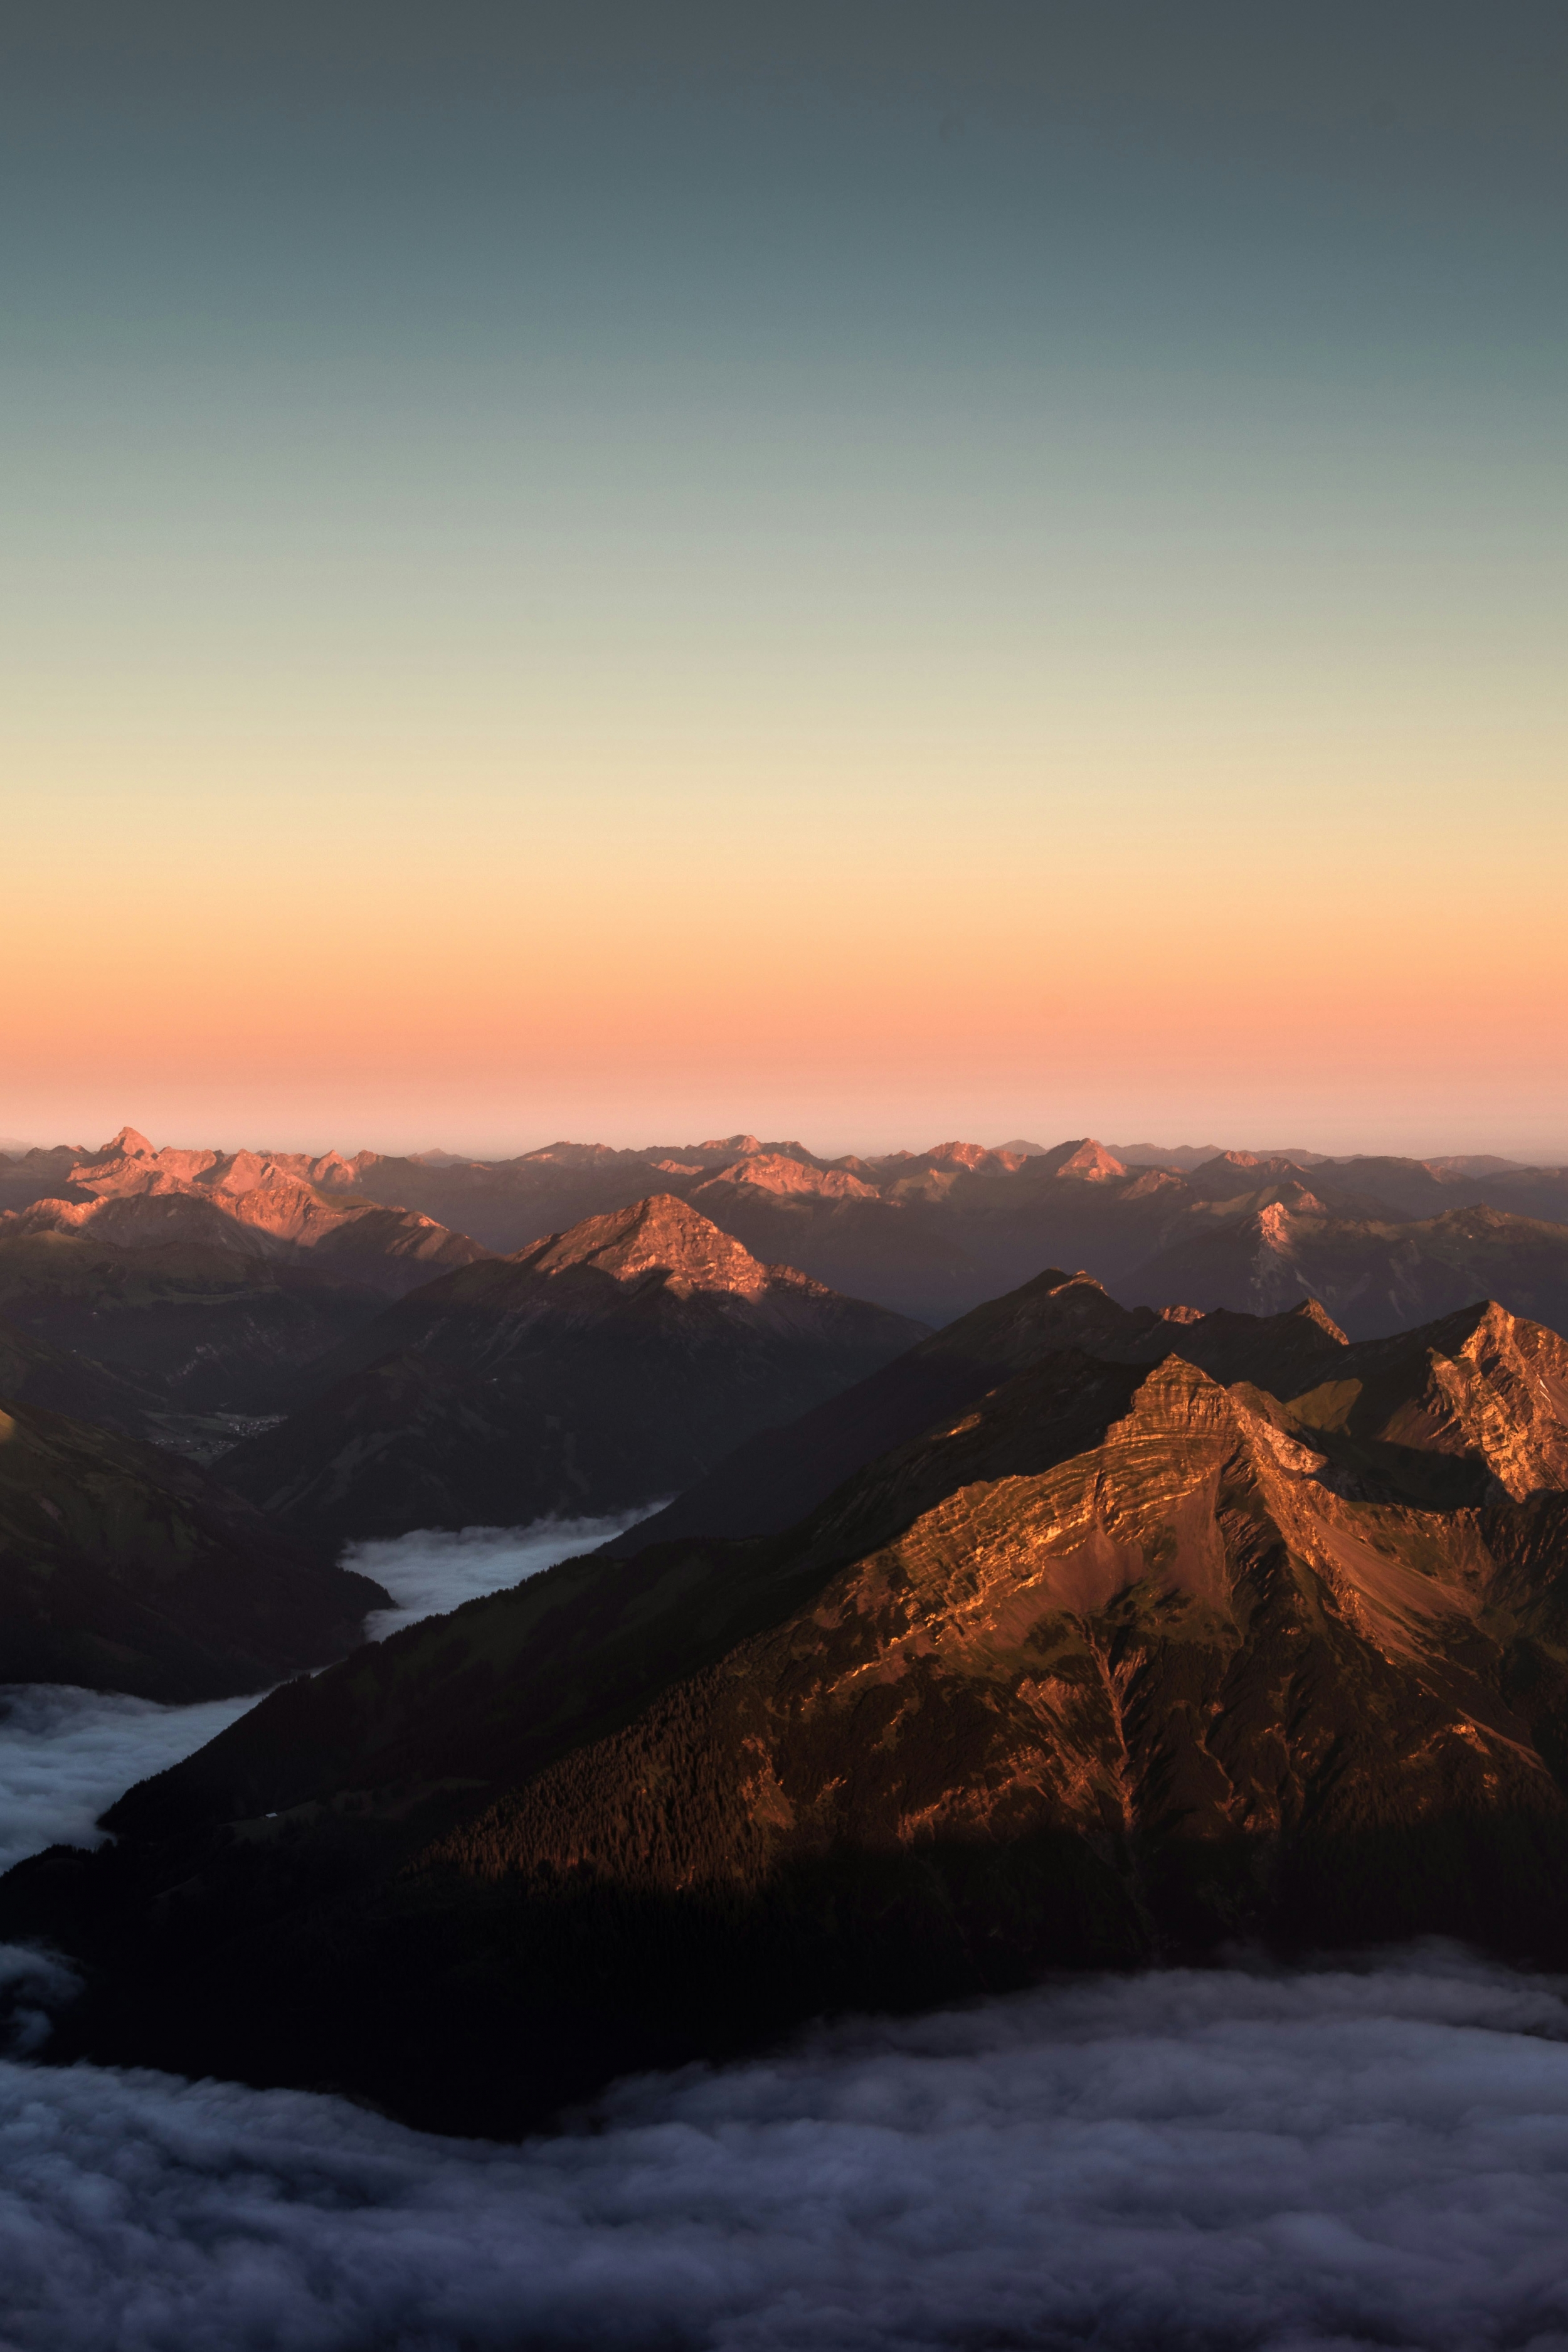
[[875, 571]]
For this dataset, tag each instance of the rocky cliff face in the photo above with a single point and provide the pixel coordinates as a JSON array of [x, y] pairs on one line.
[[1118, 1660], [131, 1196], [595, 1371], [778, 1476]]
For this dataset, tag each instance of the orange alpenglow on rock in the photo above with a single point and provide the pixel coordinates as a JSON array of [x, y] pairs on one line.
[[1168, 1629]]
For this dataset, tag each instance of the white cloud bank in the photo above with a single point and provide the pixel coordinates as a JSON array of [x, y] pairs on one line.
[[433, 1571], [1181, 2162], [66, 1754]]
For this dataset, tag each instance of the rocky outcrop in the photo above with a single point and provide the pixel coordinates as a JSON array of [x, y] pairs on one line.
[[771, 1171], [781, 1474], [209, 1280]]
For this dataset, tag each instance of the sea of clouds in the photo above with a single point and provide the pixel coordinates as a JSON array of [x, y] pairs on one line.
[[1177, 2162], [66, 1754], [1235, 2160]]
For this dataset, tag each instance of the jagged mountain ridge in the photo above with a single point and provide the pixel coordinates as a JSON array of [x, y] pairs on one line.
[[1117, 1662], [594, 1372], [209, 1282], [781, 1473], [263, 1204], [933, 1234]]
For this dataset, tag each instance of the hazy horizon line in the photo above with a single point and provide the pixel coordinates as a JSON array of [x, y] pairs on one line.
[[499, 1150]]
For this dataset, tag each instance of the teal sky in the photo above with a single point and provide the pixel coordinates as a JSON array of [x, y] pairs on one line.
[[886, 469]]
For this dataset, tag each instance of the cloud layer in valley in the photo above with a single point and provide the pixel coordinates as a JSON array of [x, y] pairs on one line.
[[66, 1754], [1303, 2162], [434, 1570]]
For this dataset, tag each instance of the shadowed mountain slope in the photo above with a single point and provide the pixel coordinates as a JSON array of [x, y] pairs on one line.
[[210, 1326], [1117, 1662], [779, 1475], [590, 1374], [1374, 1276], [122, 1569], [213, 1295], [35, 1373]]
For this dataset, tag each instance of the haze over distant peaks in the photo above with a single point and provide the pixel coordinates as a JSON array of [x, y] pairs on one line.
[[1385, 1240], [773, 1171]]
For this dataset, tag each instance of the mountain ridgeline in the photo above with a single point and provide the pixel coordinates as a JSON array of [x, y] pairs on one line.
[[207, 1282], [1115, 1635], [299, 1247], [603, 1368], [596, 1373]]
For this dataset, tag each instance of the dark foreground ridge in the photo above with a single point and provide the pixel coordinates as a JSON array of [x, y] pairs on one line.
[[1121, 1660]]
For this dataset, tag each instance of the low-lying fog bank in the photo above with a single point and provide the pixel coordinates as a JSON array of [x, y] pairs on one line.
[[433, 1572], [66, 1754], [1174, 2163]]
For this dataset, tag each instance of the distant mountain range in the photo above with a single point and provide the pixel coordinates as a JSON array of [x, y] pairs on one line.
[[1118, 1636], [599, 1371], [205, 1281], [294, 1253]]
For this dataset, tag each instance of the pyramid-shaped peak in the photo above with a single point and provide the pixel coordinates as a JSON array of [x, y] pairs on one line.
[[1312, 1310], [1478, 1331], [1081, 1157], [657, 1235], [128, 1145]]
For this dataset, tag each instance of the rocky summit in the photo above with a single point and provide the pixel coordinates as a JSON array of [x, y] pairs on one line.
[[597, 1371], [208, 1280], [1126, 1657]]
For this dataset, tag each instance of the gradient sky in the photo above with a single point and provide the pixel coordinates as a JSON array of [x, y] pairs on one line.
[[874, 572]]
